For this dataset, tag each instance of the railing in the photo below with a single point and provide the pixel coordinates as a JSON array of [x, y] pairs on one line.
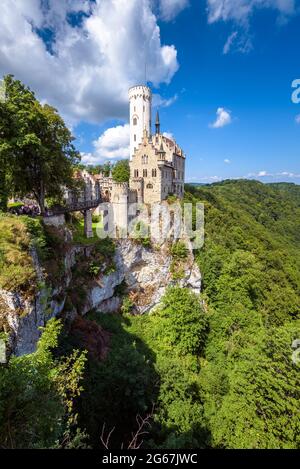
[[76, 207]]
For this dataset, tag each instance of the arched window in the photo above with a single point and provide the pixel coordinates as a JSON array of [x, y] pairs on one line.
[[135, 138], [134, 121], [154, 173], [144, 173], [149, 186], [136, 173]]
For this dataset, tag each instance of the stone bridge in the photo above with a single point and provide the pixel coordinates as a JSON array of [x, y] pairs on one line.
[[79, 204]]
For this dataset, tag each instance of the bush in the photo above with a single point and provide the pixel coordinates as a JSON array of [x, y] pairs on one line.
[[17, 271], [183, 323], [179, 250]]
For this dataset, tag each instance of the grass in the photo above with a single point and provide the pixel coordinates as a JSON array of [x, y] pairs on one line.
[[79, 237], [17, 271], [15, 204]]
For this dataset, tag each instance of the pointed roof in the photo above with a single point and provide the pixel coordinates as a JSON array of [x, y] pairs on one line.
[[157, 118], [161, 150]]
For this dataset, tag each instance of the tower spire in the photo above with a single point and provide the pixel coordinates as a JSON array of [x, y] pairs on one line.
[[157, 123]]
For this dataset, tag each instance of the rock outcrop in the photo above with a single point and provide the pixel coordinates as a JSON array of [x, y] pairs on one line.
[[145, 272]]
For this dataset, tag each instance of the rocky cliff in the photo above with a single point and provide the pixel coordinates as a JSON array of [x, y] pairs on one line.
[[144, 273]]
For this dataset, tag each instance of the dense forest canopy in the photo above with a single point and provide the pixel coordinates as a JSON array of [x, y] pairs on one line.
[[214, 372]]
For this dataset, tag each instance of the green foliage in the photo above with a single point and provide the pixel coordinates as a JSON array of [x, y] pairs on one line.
[[118, 388], [26, 421], [127, 305], [16, 267], [121, 171], [95, 218], [251, 274], [36, 151], [179, 250], [182, 321], [94, 269], [140, 234]]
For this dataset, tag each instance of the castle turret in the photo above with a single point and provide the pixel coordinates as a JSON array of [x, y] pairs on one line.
[[140, 98]]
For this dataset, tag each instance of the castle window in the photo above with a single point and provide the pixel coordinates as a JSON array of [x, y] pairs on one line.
[[145, 159], [136, 173], [134, 121], [144, 173], [149, 186], [154, 173], [135, 138]]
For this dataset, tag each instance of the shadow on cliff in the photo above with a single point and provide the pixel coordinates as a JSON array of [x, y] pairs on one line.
[[120, 380], [121, 387]]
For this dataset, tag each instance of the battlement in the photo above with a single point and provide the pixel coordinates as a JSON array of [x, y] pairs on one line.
[[140, 91]]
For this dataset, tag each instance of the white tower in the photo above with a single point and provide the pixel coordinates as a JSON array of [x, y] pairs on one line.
[[140, 98]]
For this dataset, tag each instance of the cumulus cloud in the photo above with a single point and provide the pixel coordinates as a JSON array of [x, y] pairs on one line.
[[223, 118], [227, 161], [297, 119], [89, 67], [113, 144], [169, 9]]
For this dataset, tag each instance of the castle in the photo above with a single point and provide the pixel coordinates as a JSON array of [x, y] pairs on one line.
[[157, 163], [157, 166]]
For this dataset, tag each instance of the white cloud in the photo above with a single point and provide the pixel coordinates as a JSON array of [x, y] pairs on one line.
[[169, 9], [282, 174], [223, 118], [239, 42], [241, 10], [92, 65], [168, 135], [230, 40], [297, 119], [159, 101], [227, 161], [113, 144]]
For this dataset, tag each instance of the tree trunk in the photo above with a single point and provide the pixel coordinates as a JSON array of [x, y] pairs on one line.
[[42, 199], [3, 189]]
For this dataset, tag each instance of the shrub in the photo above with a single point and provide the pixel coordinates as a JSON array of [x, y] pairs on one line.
[[183, 321], [179, 250]]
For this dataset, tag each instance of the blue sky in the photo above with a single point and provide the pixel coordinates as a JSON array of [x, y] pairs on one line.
[[84, 55]]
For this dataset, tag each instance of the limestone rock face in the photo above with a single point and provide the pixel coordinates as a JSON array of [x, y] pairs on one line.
[[25, 317], [146, 272]]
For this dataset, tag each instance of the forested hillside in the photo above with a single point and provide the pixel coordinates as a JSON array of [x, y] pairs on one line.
[[214, 372], [251, 273]]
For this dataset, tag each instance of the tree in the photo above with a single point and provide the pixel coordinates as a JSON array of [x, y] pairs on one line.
[[38, 145], [182, 320], [121, 171], [5, 136], [37, 394]]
